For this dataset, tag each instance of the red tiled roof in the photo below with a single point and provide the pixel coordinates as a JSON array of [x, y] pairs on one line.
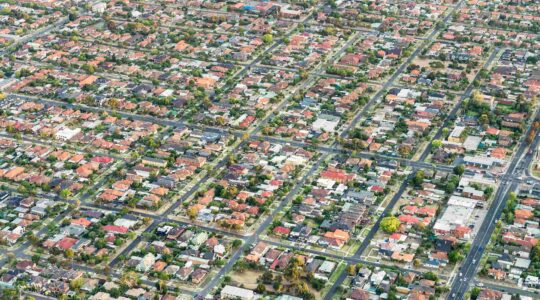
[[115, 229], [66, 243]]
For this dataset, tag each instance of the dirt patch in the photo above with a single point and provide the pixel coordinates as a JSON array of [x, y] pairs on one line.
[[248, 278], [422, 62]]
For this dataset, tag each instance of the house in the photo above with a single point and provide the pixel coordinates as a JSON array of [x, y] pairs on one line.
[[66, 134], [487, 294], [184, 272], [327, 267], [66, 243], [456, 136], [339, 235], [497, 274], [146, 263], [482, 162], [337, 175], [272, 255], [438, 258], [282, 231], [258, 251], [154, 162], [115, 229], [198, 275], [197, 162], [532, 281], [99, 7], [359, 294], [199, 239], [325, 123]]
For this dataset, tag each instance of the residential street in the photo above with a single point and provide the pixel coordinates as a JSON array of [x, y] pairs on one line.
[[291, 150]]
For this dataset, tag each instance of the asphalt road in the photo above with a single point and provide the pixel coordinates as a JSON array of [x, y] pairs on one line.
[[457, 107], [248, 242], [508, 181], [396, 74], [353, 123], [369, 237], [132, 245], [381, 159], [512, 290], [124, 114], [348, 259], [507, 185]]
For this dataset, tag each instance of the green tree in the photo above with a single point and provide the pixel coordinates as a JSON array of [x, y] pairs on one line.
[[192, 212], [90, 69], [76, 284], [351, 270], [454, 256], [459, 170], [445, 131], [484, 119], [390, 224], [267, 277], [236, 243], [418, 178], [431, 276], [267, 38], [450, 187], [65, 193], [36, 258], [69, 253]]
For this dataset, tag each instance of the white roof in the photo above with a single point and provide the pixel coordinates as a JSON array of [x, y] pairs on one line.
[[472, 190], [296, 160], [472, 142], [67, 133], [522, 263], [482, 160], [453, 216], [324, 125], [456, 132], [230, 290], [462, 201], [327, 266], [125, 222]]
